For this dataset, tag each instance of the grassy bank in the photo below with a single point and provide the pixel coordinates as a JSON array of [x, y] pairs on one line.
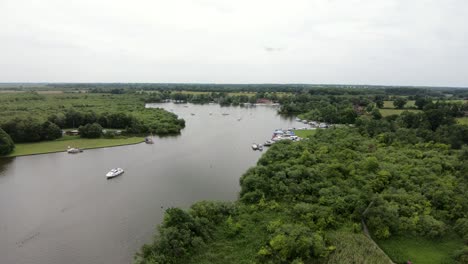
[[421, 250], [62, 144], [304, 133], [463, 120], [387, 112]]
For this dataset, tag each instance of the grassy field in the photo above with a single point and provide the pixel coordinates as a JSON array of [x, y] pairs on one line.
[[410, 103], [43, 105], [62, 144], [421, 250], [387, 112], [304, 133], [463, 120], [389, 104]]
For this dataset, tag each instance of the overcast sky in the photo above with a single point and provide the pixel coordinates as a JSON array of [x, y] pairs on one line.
[[393, 42]]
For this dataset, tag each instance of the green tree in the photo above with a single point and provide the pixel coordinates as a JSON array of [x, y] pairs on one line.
[[90, 130], [421, 102], [292, 242], [50, 131], [6, 143], [379, 101], [400, 102]]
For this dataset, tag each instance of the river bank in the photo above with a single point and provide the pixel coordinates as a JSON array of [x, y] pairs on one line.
[[60, 145]]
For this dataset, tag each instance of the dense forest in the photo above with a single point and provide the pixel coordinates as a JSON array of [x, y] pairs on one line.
[[300, 194]]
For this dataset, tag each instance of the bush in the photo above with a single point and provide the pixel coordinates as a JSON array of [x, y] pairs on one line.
[[400, 102], [90, 130], [292, 243], [50, 131], [461, 256], [6, 143], [461, 227]]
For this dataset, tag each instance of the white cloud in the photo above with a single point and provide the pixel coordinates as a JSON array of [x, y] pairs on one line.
[[420, 42]]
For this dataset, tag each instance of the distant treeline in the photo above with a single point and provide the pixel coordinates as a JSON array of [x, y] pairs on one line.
[[318, 89]]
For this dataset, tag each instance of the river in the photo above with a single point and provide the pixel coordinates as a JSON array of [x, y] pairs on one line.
[[60, 208]]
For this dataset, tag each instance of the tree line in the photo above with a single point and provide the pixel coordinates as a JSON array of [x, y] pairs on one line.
[[89, 123]]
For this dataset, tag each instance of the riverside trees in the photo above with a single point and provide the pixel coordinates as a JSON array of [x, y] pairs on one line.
[[6, 143]]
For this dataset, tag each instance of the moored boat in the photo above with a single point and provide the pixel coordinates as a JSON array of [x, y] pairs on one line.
[[254, 146], [149, 140], [74, 150]]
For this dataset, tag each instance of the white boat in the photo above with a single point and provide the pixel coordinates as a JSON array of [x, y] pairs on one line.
[[268, 143], [260, 147], [74, 150], [254, 146], [114, 172], [149, 140]]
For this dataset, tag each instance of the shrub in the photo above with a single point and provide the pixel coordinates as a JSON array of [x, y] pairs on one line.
[[6, 143], [90, 130]]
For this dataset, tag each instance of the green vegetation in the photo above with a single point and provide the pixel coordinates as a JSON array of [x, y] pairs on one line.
[[462, 120], [390, 105], [93, 130], [294, 204], [388, 112], [400, 102], [62, 144], [88, 112], [421, 250], [402, 175], [6, 143], [354, 248], [304, 133]]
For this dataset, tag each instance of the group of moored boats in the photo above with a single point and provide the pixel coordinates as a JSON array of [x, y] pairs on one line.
[[313, 124], [278, 135]]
